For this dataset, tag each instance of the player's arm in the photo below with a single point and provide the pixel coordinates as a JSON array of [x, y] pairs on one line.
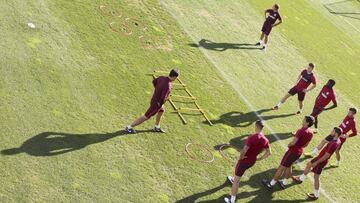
[[322, 144], [243, 152], [278, 22], [311, 87], [266, 154], [323, 158], [293, 142], [163, 95], [353, 131], [333, 99], [265, 13]]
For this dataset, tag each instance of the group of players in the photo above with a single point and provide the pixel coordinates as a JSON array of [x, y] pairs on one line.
[[257, 143]]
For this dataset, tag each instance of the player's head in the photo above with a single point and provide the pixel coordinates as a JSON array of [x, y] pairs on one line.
[[174, 73], [310, 67], [308, 121], [259, 125], [330, 83], [276, 7], [352, 112], [336, 132]]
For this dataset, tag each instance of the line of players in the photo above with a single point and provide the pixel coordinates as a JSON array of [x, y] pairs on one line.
[[257, 142]]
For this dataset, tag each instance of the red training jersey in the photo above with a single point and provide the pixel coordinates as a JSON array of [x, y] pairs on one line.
[[330, 148], [326, 95], [304, 136], [348, 124], [256, 143], [162, 90], [272, 17], [305, 80]]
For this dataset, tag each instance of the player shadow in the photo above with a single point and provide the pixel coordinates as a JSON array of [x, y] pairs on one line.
[[260, 194], [57, 143], [207, 44], [240, 119], [349, 14]]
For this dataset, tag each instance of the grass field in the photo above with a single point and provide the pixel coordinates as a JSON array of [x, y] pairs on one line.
[[69, 87]]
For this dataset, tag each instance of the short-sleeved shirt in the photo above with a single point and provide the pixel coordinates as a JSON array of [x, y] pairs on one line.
[[162, 90], [305, 80], [256, 143], [272, 17], [330, 148], [304, 136], [326, 95], [348, 124]]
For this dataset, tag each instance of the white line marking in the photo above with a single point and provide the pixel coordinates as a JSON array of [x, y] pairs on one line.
[[236, 88]]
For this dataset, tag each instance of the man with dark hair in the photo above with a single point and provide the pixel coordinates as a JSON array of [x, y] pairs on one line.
[[317, 164], [162, 90], [296, 147], [255, 144], [326, 95], [271, 16], [304, 80], [348, 124]]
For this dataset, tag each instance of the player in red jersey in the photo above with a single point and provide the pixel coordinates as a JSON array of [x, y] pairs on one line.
[[317, 164], [271, 16], [348, 124], [326, 95], [162, 90], [305, 78], [255, 144], [296, 147]]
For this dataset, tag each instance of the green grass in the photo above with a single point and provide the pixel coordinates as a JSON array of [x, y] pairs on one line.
[[69, 86]]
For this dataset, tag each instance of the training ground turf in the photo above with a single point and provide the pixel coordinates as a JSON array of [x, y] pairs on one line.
[[69, 86]]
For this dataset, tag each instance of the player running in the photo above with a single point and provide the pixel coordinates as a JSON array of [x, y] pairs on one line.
[[348, 124], [296, 147], [326, 95], [162, 90], [271, 16], [317, 164], [305, 78], [255, 144]]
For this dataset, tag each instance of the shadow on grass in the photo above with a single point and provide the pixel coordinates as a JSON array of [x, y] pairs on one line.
[[260, 194], [240, 119], [56, 143], [207, 44]]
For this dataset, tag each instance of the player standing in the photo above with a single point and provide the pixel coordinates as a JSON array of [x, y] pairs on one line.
[[271, 16], [162, 90], [348, 124], [296, 147], [305, 78], [255, 144], [326, 95], [317, 164]]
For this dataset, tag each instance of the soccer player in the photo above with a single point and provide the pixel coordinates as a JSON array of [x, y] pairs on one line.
[[326, 95], [305, 78], [162, 90], [317, 164], [348, 124], [296, 147], [255, 144], [271, 16]]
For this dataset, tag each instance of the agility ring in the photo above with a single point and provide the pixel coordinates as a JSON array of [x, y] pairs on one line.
[[147, 42], [224, 155], [204, 148], [108, 11], [125, 29], [133, 22]]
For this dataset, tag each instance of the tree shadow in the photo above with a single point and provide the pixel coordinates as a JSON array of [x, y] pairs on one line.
[[260, 194], [348, 14], [240, 119], [56, 143], [207, 44]]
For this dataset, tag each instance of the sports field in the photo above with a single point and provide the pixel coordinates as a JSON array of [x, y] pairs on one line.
[[69, 87]]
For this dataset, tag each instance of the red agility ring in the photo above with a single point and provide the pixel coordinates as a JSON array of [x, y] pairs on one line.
[[224, 155], [106, 10], [204, 148], [124, 29]]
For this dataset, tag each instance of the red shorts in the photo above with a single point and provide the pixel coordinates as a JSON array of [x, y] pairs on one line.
[[266, 28], [241, 167], [317, 111], [289, 158], [301, 94], [154, 109], [318, 168]]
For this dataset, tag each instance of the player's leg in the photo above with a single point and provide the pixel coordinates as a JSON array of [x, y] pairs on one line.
[[278, 174], [266, 39], [138, 121], [261, 39], [158, 121], [301, 178], [315, 195], [316, 124], [301, 98], [338, 157], [282, 101], [235, 188], [240, 169]]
